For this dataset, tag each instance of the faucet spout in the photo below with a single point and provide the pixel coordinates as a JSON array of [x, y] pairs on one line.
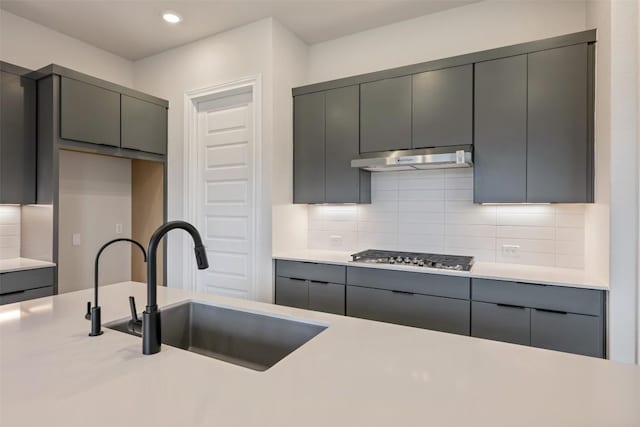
[[151, 331]]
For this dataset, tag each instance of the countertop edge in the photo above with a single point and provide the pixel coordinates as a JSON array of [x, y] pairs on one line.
[[23, 264]]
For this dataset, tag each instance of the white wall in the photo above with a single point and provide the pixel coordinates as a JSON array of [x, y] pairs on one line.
[[95, 195], [229, 56], [479, 26], [33, 46]]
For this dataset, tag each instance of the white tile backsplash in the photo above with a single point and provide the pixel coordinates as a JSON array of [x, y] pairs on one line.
[[433, 211], [9, 232]]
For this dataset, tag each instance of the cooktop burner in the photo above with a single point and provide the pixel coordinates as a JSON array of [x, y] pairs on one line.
[[446, 262]]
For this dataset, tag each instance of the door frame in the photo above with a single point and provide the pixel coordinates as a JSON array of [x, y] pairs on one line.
[[190, 171]]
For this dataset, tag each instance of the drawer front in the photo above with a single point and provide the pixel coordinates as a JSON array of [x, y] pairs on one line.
[[312, 271], [422, 311], [327, 297], [573, 333], [500, 322], [26, 295], [292, 292], [419, 283], [17, 281], [572, 300]]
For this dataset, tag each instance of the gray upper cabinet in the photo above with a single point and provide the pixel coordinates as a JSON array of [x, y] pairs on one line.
[[443, 107], [385, 115], [344, 184], [89, 113], [559, 150], [309, 148], [17, 136], [500, 130], [144, 125]]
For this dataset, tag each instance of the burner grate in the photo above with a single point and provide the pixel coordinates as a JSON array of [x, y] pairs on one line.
[[443, 261]]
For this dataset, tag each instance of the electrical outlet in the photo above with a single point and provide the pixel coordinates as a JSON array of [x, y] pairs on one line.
[[511, 250], [336, 240], [118, 228], [76, 239]]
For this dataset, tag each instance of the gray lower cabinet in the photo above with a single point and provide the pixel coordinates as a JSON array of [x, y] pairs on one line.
[[17, 136], [24, 285], [573, 333], [385, 115], [292, 292], [327, 297], [559, 146], [144, 125], [443, 107], [409, 309], [500, 131], [89, 113], [501, 322], [309, 148]]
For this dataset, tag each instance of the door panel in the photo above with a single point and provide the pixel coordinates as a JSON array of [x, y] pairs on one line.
[[443, 107], [292, 292], [573, 333], [500, 322], [500, 131], [327, 297], [385, 115], [309, 148], [144, 126]]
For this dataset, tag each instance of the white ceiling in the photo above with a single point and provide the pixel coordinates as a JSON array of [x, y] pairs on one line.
[[135, 29]]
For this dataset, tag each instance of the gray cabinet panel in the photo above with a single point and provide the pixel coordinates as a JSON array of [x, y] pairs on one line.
[[311, 271], [560, 298], [25, 279], [342, 112], [17, 139], [420, 283], [500, 322], [385, 115], [572, 333], [422, 311], [309, 148], [89, 113], [443, 107], [292, 292], [558, 153], [500, 131], [144, 125], [327, 297], [26, 295]]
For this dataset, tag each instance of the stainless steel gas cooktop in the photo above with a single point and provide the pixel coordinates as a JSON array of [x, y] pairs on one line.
[[446, 262]]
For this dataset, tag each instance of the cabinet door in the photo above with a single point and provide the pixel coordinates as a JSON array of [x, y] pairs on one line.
[[89, 113], [500, 131], [342, 112], [558, 151], [422, 311], [144, 125], [327, 297], [17, 139], [573, 333], [501, 322], [385, 115], [292, 292], [443, 107], [309, 148]]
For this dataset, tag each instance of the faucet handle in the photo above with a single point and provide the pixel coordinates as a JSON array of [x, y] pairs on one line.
[[134, 325], [88, 315], [134, 312]]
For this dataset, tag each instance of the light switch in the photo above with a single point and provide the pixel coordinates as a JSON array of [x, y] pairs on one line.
[[76, 239], [511, 250], [118, 228]]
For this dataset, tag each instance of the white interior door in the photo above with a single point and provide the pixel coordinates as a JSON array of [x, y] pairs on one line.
[[226, 199]]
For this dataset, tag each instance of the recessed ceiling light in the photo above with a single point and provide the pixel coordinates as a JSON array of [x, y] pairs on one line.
[[171, 17]]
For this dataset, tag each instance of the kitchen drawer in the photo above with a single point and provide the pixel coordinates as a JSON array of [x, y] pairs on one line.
[[573, 333], [311, 271], [422, 311], [16, 281], [419, 283], [326, 297], [292, 292], [26, 295], [572, 300], [500, 322]]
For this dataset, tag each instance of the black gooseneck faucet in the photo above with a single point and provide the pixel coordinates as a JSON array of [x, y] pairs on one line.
[[94, 313], [151, 331]]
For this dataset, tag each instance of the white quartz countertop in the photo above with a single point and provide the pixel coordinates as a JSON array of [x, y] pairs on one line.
[[18, 264], [355, 373], [481, 270]]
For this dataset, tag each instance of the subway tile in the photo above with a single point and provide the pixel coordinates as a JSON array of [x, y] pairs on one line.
[[458, 173], [521, 232], [464, 183], [486, 243], [572, 234], [384, 196], [452, 194], [9, 229], [340, 226], [376, 240], [567, 247], [471, 218], [533, 220], [528, 245], [421, 206], [422, 217], [421, 195], [569, 220], [470, 230], [426, 228], [377, 227], [528, 258], [570, 261]]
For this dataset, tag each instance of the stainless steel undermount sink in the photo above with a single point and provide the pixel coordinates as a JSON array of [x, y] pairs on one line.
[[253, 340]]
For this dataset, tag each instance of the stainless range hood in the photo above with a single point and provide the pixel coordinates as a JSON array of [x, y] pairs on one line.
[[424, 158]]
